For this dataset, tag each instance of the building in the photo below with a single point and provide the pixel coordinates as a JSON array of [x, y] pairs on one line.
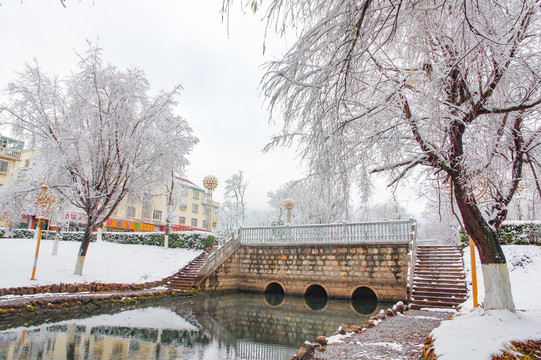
[[11, 156], [146, 211]]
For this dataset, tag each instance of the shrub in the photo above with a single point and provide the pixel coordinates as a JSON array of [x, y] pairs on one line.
[[2, 233], [513, 233], [520, 233], [197, 240], [46, 234]]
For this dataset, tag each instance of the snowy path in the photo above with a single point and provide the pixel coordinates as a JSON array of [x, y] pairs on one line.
[[400, 337]]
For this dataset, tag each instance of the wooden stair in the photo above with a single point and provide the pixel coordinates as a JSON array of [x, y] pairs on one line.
[[186, 277], [438, 280]]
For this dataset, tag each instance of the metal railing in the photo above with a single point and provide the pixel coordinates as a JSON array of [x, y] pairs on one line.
[[345, 233], [10, 153]]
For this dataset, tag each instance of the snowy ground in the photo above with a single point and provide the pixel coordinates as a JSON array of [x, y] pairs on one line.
[[105, 262], [475, 334]]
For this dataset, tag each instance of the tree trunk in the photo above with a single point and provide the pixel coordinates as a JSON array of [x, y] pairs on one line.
[[495, 274], [82, 250]]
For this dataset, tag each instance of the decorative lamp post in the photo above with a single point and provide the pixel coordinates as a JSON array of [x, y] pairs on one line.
[[44, 204], [210, 182], [289, 204]]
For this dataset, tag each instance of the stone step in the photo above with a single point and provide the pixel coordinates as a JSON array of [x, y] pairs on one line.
[[431, 304], [451, 270], [439, 284], [459, 289], [434, 258], [438, 280], [438, 275], [437, 295]]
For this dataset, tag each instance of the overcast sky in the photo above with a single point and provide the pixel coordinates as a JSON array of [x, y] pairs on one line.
[[172, 41]]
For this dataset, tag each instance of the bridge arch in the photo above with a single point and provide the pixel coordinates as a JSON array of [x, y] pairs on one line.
[[316, 296], [274, 293], [364, 300]]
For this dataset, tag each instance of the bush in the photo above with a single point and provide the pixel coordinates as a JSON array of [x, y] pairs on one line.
[[513, 233], [2, 233], [46, 234], [197, 240], [520, 233]]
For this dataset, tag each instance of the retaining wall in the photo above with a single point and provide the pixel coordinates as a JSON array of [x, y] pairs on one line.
[[339, 269]]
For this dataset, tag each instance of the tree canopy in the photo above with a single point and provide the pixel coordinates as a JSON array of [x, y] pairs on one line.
[[447, 91], [98, 134]]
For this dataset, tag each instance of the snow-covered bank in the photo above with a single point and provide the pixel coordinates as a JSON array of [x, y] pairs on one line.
[[105, 262], [475, 334]]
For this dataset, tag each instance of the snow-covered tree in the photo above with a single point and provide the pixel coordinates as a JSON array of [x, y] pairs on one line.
[[388, 210], [315, 202], [443, 90], [99, 134], [233, 209]]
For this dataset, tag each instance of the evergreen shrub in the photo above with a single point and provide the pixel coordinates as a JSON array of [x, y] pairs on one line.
[[197, 240], [514, 233]]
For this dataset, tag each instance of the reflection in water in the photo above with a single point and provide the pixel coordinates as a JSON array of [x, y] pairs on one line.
[[274, 299], [230, 327], [364, 307]]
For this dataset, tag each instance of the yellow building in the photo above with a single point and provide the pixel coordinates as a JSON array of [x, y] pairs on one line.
[[146, 212], [11, 152], [149, 212]]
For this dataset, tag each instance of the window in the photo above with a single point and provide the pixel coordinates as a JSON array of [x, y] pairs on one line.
[[130, 212], [195, 207], [181, 220], [157, 215], [4, 165], [194, 222], [147, 206], [196, 194]]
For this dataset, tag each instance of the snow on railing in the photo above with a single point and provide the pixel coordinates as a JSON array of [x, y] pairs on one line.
[[218, 257], [348, 233]]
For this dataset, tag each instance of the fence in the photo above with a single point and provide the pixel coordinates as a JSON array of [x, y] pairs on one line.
[[346, 233]]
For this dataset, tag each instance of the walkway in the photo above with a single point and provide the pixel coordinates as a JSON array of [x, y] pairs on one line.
[[401, 337]]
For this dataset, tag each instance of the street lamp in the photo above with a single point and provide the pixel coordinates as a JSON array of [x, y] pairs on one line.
[[44, 204], [210, 182], [289, 204]]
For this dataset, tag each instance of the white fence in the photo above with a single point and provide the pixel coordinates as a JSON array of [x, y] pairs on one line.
[[346, 233]]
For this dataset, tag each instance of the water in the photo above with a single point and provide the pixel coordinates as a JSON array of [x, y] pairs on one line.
[[218, 327]]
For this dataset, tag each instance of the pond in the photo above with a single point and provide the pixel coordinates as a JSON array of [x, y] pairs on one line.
[[209, 327]]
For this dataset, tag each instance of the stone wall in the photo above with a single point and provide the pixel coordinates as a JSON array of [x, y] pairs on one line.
[[339, 269]]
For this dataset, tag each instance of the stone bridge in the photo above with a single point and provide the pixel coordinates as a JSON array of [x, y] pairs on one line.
[[351, 260]]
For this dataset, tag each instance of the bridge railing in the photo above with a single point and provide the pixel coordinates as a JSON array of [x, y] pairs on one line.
[[345, 233], [218, 257]]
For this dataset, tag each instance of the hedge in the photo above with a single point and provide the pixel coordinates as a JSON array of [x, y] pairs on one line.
[[514, 233], [197, 240]]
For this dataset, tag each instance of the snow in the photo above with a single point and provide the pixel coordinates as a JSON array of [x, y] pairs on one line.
[[105, 262], [480, 333], [148, 318]]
